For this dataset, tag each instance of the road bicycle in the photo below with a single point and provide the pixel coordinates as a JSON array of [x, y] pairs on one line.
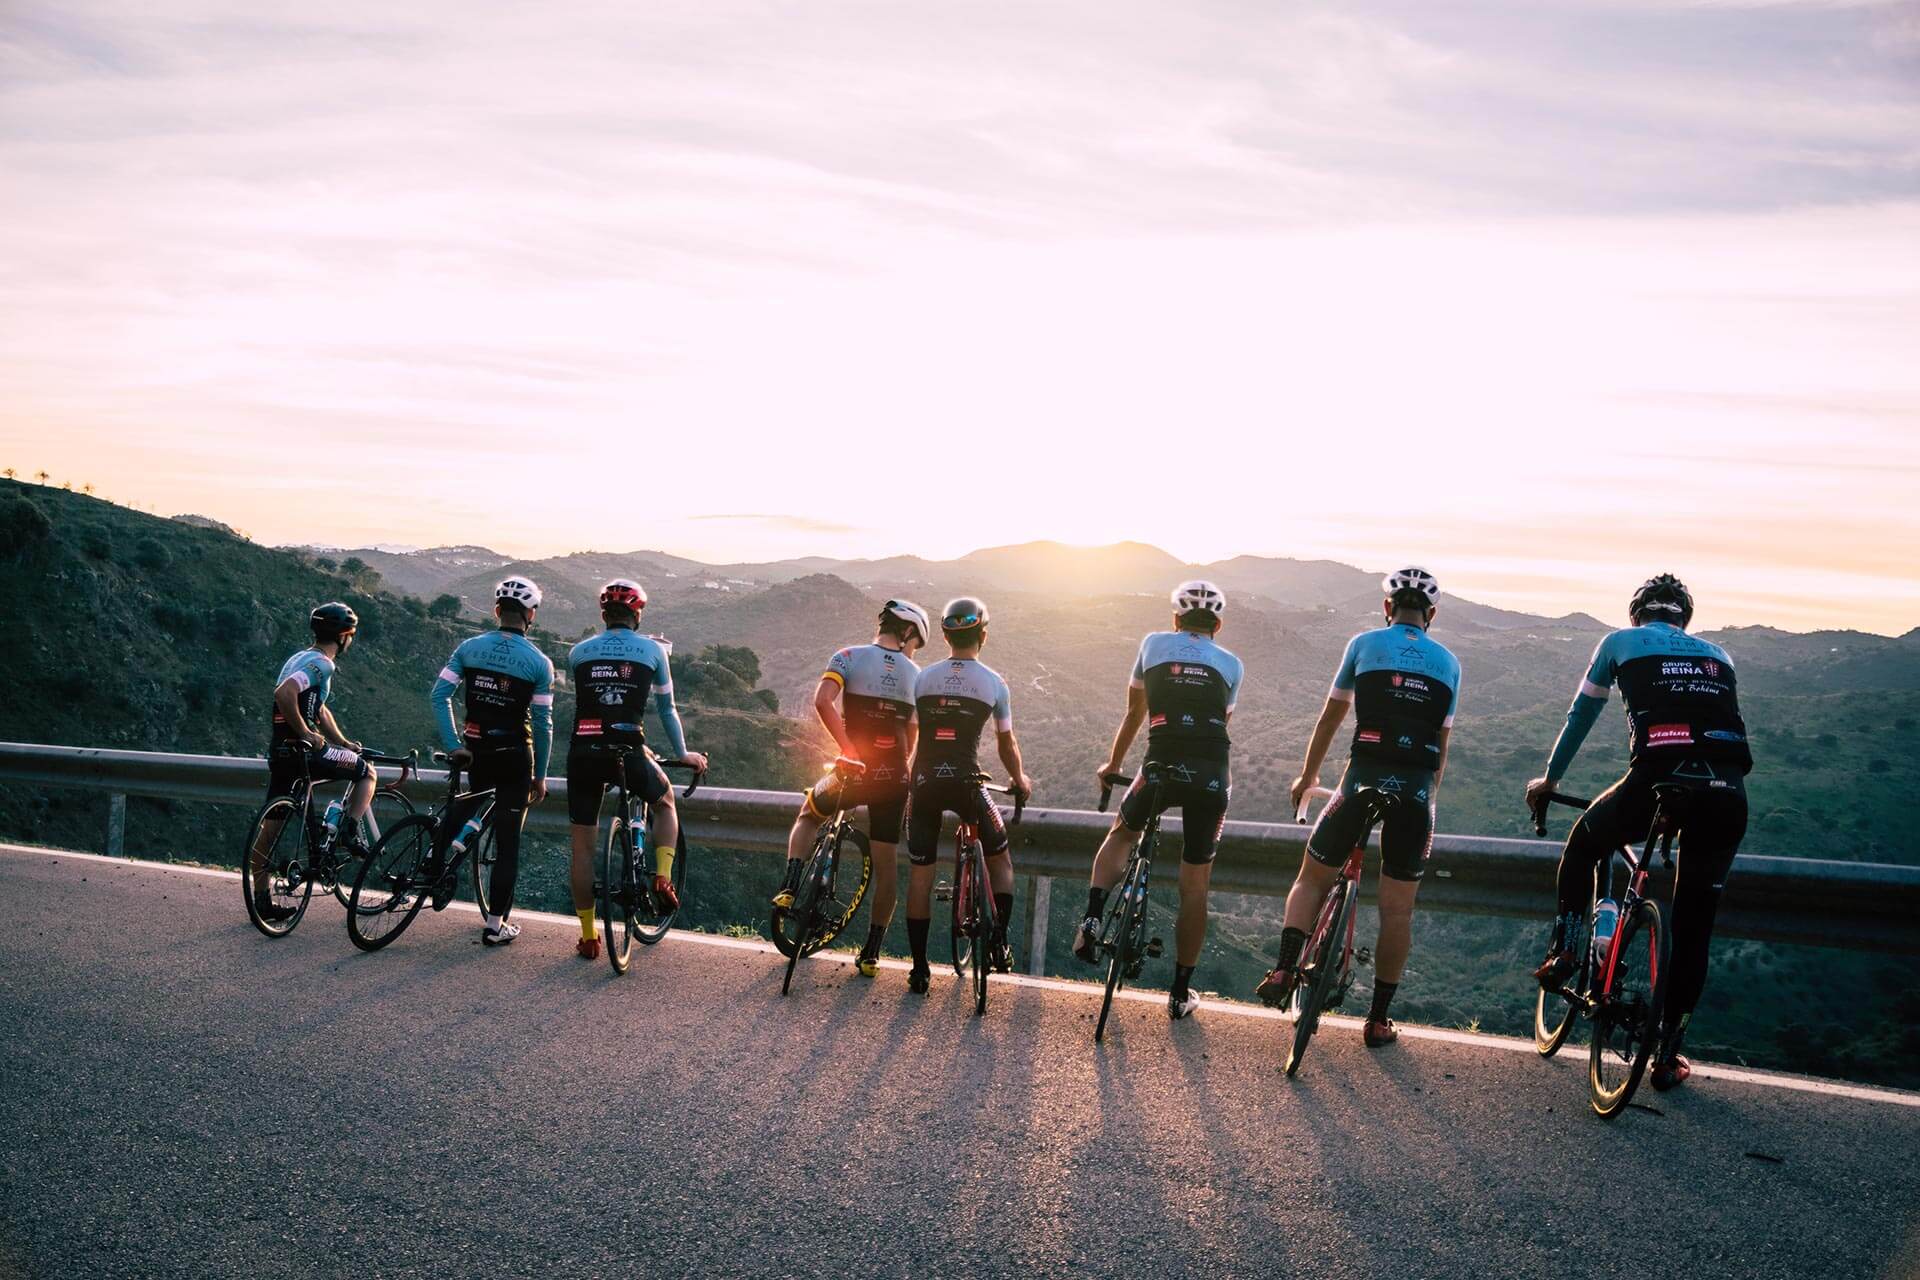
[[1123, 932], [418, 860], [819, 912], [1620, 983], [974, 921], [630, 910], [1326, 964], [290, 848]]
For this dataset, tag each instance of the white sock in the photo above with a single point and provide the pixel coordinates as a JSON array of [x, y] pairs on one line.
[[493, 923]]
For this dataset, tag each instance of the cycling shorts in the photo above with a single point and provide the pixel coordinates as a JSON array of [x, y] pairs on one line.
[[1406, 832], [886, 803], [1201, 789], [323, 764], [592, 768], [932, 798]]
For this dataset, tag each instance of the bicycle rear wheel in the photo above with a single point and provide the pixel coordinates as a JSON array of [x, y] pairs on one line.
[[984, 927], [1324, 955], [960, 936], [1119, 937], [805, 920], [273, 879], [1626, 1024], [653, 918], [619, 890], [483, 855], [388, 807], [388, 894], [1553, 1012]]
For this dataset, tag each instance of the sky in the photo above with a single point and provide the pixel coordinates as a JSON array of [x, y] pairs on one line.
[[1546, 295]]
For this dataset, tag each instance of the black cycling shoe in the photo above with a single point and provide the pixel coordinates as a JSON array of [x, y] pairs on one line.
[[1563, 953], [919, 978], [1001, 956], [1086, 943]]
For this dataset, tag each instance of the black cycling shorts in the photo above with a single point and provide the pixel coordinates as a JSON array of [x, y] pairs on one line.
[[592, 769], [1406, 832], [1201, 789], [886, 803], [932, 798], [324, 764]]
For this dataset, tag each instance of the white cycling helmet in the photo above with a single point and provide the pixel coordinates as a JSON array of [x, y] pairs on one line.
[[908, 611], [1412, 579], [519, 590], [1199, 594]]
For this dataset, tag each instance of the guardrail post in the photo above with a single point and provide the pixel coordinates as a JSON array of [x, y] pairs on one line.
[[116, 825], [1039, 899]]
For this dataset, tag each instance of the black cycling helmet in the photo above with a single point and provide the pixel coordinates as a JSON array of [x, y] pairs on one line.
[[1664, 596], [963, 613], [331, 619]]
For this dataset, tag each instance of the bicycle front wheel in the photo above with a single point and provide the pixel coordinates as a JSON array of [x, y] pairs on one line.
[[388, 893], [654, 916], [483, 855], [1119, 936], [273, 878], [1626, 1024], [984, 929], [619, 891], [960, 935], [1554, 1012], [388, 807], [805, 921], [1325, 952]]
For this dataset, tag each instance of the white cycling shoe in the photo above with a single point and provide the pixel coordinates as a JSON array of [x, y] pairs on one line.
[[499, 935], [1179, 1007]]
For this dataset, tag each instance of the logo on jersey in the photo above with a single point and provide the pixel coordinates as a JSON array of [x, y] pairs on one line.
[[1711, 668], [1368, 735], [587, 728], [945, 735], [1670, 735], [626, 671]]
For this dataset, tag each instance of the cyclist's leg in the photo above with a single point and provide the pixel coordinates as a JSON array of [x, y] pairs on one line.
[[999, 850], [1110, 861], [648, 783], [586, 788], [1715, 823], [925, 808], [886, 815], [509, 774], [283, 773], [1203, 811], [1406, 841], [1618, 815], [817, 804]]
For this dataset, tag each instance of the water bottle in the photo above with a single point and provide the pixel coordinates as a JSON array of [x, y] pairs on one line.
[[1606, 919], [466, 834], [330, 823]]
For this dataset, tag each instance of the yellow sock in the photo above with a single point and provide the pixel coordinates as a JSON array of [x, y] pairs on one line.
[[663, 862], [586, 924]]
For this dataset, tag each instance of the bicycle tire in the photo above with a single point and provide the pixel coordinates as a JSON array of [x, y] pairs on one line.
[[291, 817], [387, 894], [835, 922], [651, 923], [1322, 950], [959, 940], [984, 926], [618, 884], [389, 806], [1119, 935], [1553, 1013], [1625, 1028], [481, 856], [806, 913]]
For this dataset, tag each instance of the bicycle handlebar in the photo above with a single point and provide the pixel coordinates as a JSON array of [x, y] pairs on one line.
[[1323, 793], [1554, 797], [1108, 781], [1019, 799], [699, 775]]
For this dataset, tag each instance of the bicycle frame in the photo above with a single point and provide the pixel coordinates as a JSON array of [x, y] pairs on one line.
[[1639, 865]]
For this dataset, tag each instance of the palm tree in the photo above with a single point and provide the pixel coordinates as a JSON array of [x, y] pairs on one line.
[[86, 488], [9, 473], [41, 476]]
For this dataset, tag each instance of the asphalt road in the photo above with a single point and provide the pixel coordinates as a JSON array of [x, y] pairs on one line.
[[182, 1097]]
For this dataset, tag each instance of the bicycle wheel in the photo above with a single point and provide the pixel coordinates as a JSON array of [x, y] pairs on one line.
[[1324, 951], [1626, 1024], [388, 807], [387, 894], [960, 936], [272, 875], [984, 927], [483, 855], [835, 908], [652, 919], [806, 919], [1553, 1012], [619, 886], [1118, 938]]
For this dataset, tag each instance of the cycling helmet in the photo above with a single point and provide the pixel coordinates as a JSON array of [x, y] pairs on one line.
[[1662, 594], [332, 619], [520, 591], [909, 612], [963, 612], [625, 593], [1197, 595], [1411, 580]]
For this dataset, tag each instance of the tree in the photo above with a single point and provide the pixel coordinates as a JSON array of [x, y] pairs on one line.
[[353, 566], [324, 564], [86, 489], [41, 476], [9, 473], [444, 606]]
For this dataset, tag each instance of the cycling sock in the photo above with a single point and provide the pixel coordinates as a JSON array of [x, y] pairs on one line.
[[586, 924], [876, 934], [663, 861], [1382, 997], [1291, 940], [917, 939], [1182, 975], [492, 922], [1002, 915], [1096, 901]]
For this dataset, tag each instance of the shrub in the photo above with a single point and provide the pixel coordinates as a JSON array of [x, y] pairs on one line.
[[444, 606], [97, 541], [22, 524], [148, 553]]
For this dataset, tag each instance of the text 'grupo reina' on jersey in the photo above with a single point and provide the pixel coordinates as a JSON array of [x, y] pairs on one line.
[[614, 673], [955, 699], [312, 674], [877, 700], [1192, 685], [503, 677], [1679, 691], [1404, 686]]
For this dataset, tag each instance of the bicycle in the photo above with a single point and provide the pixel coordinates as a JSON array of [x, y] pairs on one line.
[[312, 857], [1123, 934], [417, 860], [818, 914], [974, 923], [1623, 1004], [629, 908], [1324, 979]]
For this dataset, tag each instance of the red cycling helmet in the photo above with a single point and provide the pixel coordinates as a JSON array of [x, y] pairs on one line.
[[624, 592]]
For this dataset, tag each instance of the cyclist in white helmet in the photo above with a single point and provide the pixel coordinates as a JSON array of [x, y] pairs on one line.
[[865, 700], [506, 685], [1183, 688], [1403, 687]]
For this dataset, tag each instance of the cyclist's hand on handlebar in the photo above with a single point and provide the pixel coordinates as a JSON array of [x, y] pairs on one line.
[[1537, 792], [1298, 791], [1106, 770], [697, 760], [537, 792]]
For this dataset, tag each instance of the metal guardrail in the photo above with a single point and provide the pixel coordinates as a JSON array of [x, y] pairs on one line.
[[1861, 906]]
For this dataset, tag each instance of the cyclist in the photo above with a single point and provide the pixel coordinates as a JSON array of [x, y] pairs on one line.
[[1683, 717], [613, 675], [303, 726], [866, 701], [1183, 688], [953, 701], [507, 687], [1403, 686]]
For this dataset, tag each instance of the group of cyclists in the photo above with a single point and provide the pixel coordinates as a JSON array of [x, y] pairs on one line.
[[909, 737]]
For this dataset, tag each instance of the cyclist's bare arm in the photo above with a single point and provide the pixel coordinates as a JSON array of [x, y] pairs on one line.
[[1330, 717], [1010, 757], [1129, 727], [287, 698], [331, 728], [826, 705], [1440, 769], [911, 735]]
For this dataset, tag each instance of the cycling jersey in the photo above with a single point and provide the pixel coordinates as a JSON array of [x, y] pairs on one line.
[[1680, 695], [507, 686], [877, 701], [954, 699], [613, 675], [1191, 685], [1404, 685], [312, 673]]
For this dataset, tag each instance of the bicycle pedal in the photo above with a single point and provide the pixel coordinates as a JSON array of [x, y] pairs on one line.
[[943, 892], [1154, 947], [1363, 954]]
